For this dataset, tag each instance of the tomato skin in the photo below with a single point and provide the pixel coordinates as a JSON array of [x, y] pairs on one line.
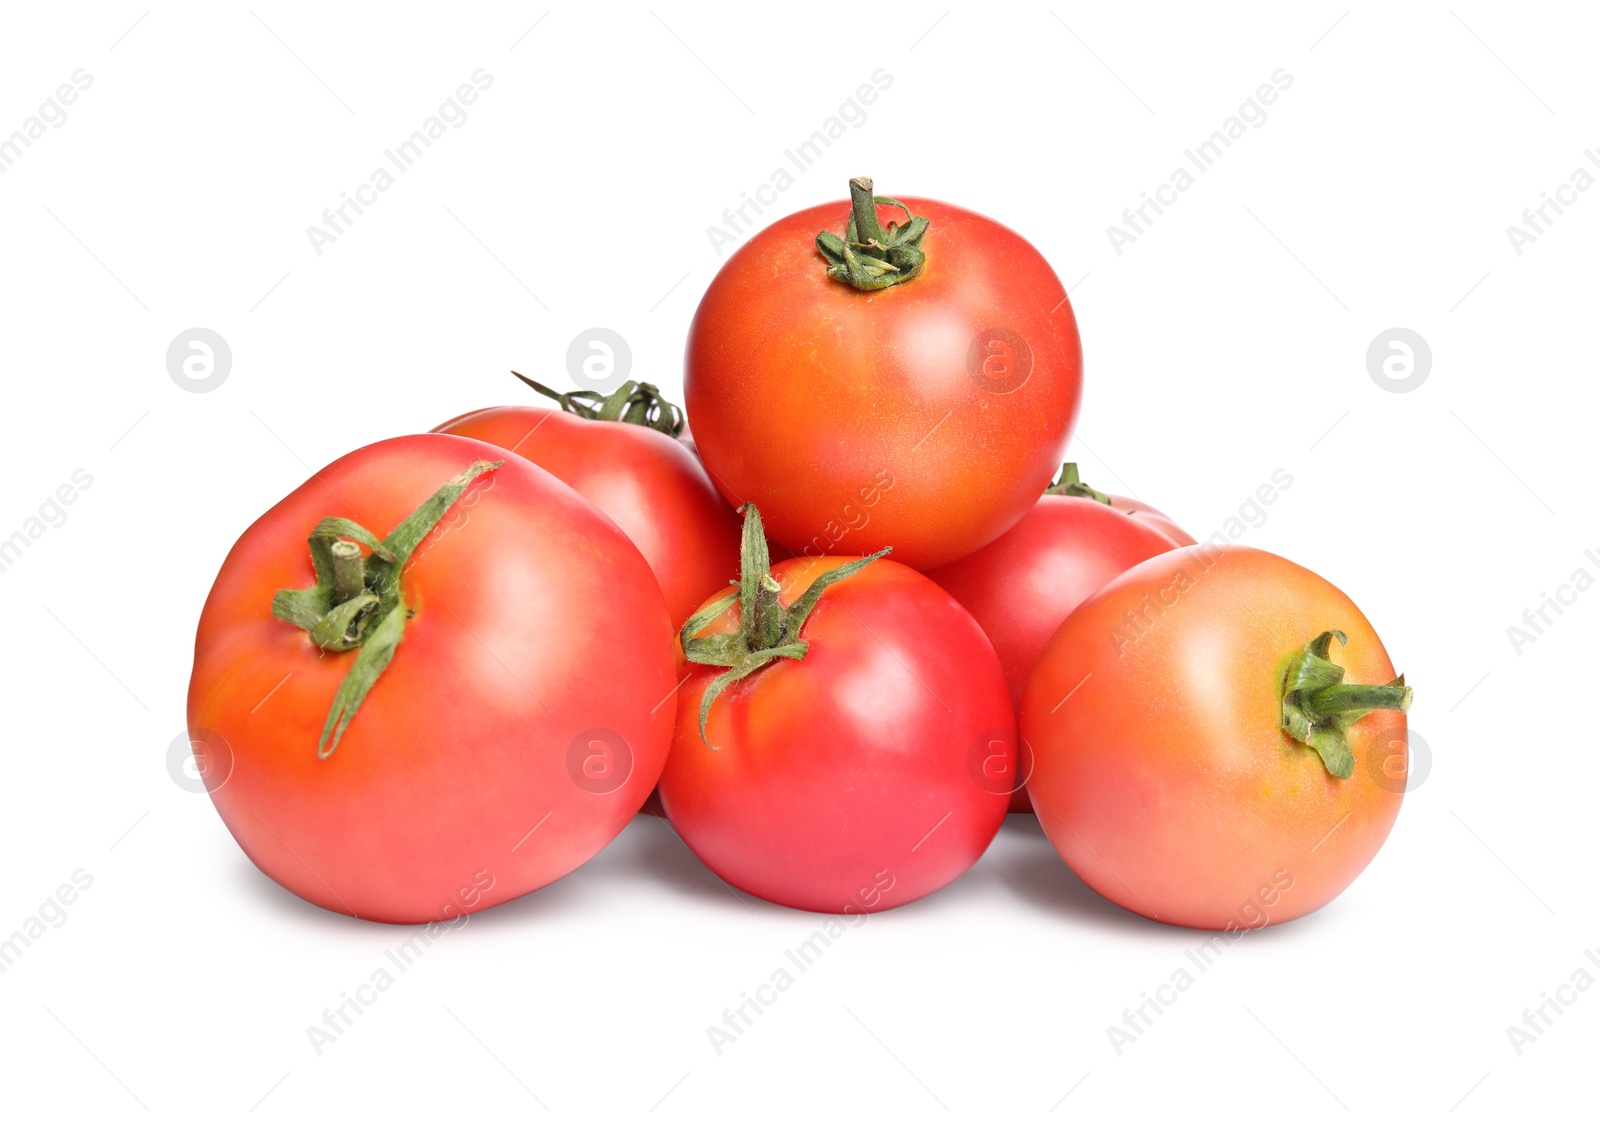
[[1165, 782], [846, 781], [521, 595], [1021, 586], [1153, 518], [854, 420], [652, 486]]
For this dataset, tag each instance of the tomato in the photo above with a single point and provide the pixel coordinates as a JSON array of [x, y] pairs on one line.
[[1198, 757], [619, 452], [1152, 517], [1021, 586], [1068, 483], [838, 735], [483, 711], [857, 408]]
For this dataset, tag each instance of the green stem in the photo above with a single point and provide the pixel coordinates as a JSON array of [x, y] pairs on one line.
[[1068, 483], [356, 604], [864, 213], [633, 403], [767, 630], [1330, 701], [870, 257], [1317, 706], [349, 571]]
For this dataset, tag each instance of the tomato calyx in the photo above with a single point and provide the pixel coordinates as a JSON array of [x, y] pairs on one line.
[[1067, 483], [767, 629], [870, 257], [356, 603], [632, 403], [1318, 706]]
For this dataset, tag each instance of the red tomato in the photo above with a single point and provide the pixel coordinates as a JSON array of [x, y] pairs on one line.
[[484, 762], [648, 483], [850, 772], [1067, 483], [1157, 521], [1198, 758], [1021, 586], [927, 415]]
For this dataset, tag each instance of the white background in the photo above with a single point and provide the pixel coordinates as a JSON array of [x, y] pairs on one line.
[[1228, 341]]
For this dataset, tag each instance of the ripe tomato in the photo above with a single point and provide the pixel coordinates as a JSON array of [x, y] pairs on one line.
[[1021, 586], [853, 713], [619, 452], [484, 762], [1068, 483], [1198, 759], [924, 408]]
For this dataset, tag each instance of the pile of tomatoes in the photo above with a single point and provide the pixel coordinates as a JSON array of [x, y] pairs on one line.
[[834, 638]]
